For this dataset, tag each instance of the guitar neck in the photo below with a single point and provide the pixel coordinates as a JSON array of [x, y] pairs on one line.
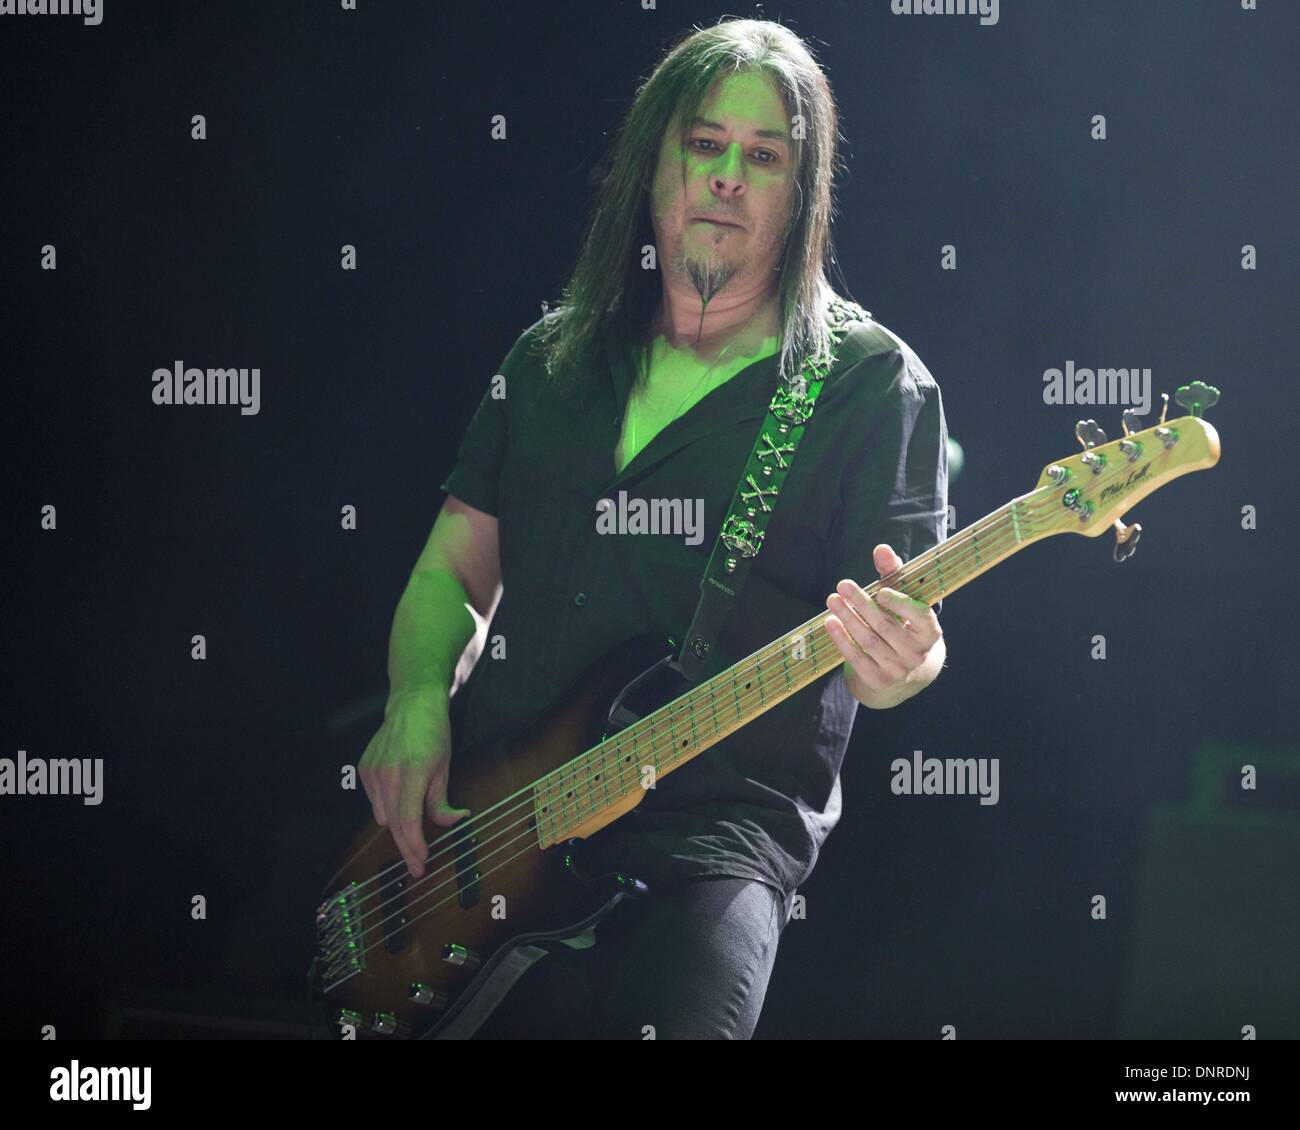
[[595, 788], [1083, 493]]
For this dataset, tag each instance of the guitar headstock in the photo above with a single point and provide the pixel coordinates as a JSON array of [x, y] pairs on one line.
[[1087, 492]]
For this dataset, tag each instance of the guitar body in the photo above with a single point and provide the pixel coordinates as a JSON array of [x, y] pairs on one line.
[[403, 958]]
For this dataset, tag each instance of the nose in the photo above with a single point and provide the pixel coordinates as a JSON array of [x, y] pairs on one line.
[[727, 175]]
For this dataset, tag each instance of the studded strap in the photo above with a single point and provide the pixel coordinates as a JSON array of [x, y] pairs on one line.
[[741, 538]]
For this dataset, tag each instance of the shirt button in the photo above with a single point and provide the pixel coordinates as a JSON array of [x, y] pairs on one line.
[[580, 599]]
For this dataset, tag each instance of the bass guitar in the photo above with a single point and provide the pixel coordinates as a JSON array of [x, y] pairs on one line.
[[402, 958]]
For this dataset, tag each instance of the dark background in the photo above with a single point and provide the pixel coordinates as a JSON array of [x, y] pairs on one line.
[[328, 127]]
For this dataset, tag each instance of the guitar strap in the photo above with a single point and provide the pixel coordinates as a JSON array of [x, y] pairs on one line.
[[755, 498]]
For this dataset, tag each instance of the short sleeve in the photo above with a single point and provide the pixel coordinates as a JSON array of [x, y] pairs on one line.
[[894, 488], [476, 477]]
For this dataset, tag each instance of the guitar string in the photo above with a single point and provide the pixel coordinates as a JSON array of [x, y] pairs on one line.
[[1000, 516], [818, 378], [820, 643], [1030, 520], [950, 546], [949, 553], [526, 834]]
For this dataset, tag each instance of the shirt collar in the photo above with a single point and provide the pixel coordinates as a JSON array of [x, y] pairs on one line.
[[744, 397]]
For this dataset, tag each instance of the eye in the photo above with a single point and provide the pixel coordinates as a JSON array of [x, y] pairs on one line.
[[771, 157]]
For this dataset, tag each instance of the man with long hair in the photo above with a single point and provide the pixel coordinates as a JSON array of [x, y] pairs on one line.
[[700, 289]]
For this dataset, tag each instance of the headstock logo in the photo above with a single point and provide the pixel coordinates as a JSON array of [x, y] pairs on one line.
[[1135, 476]]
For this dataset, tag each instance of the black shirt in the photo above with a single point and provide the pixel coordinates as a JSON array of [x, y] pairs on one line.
[[872, 468]]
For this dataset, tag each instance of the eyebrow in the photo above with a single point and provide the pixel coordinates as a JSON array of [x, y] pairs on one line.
[[773, 134]]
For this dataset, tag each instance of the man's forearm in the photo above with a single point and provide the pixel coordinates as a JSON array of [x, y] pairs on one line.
[[431, 628]]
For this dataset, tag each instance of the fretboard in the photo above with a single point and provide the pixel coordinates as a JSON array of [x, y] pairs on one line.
[[594, 788]]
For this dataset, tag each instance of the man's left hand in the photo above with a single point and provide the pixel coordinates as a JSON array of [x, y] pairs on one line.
[[892, 646]]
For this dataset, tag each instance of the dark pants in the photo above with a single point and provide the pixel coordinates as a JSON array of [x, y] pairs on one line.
[[690, 960]]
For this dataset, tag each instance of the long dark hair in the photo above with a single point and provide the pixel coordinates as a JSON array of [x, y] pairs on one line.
[[608, 281]]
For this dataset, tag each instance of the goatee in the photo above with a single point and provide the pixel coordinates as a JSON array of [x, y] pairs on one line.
[[708, 277]]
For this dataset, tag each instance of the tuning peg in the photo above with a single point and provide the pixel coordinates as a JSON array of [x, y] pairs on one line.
[[1132, 421], [1197, 397], [1126, 540], [1089, 433]]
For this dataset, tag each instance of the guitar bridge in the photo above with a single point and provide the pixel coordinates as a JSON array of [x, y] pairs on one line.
[[339, 938]]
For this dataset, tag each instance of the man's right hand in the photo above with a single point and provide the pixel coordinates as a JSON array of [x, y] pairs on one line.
[[405, 771]]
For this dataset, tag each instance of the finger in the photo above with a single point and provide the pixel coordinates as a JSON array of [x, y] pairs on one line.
[[883, 623], [864, 664], [388, 786], [435, 800], [902, 641], [917, 616], [410, 822], [860, 633], [848, 647], [872, 642], [390, 792], [885, 559], [445, 816], [413, 848]]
